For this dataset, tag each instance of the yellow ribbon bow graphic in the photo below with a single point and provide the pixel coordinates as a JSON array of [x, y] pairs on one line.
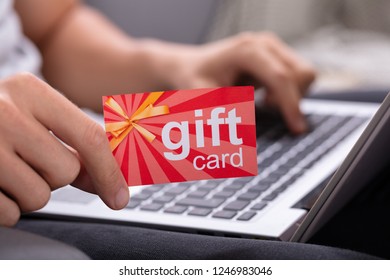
[[121, 129]]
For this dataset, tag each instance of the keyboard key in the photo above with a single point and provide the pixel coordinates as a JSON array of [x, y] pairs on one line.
[[316, 120], [133, 204], [261, 146], [337, 121], [224, 194], [163, 199], [141, 196], [224, 214], [269, 180], [176, 190], [249, 196], [198, 193], [243, 180], [299, 156], [259, 206], [290, 163], [154, 188], [281, 188], [152, 207], [199, 212], [289, 181], [186, 185], [234, 187], [289, 142], [294, 177], [285, 149], [274, 157], [210, 184], [206, 188], [236, 205], [205, 203], [176, 209], [270, 197], [259, 188], [279, 172], [310, 162], [247, 216], [265, 163]]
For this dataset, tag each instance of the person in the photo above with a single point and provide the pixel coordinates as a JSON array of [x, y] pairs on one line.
[[85, 57], [46, 141]]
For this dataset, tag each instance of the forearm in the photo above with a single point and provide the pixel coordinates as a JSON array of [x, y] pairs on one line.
[[87, 57]]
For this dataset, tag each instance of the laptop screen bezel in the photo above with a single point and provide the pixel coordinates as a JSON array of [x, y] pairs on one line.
[[339, 189]]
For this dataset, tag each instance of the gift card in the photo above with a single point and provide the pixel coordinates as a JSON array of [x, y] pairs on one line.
[[183, 135]]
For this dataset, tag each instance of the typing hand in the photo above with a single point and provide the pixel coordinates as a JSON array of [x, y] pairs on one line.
[[33, 161], [262, 57]]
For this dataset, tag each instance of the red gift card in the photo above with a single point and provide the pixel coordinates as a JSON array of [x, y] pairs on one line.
[[183, 135]]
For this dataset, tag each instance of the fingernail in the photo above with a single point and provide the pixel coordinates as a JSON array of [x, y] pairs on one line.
[[122, 197]]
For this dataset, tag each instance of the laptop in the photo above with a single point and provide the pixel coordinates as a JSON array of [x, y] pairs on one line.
[[290, 199]]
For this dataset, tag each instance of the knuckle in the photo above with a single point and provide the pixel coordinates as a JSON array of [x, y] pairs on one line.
[[94, 136], [27, 78], [265, 37], [270, 37], [281, 75], [245, 47], [10, 112], [14, 95], [68, 174], [22, 84], [18, 83], [6, 106], [251, 43], [22, 79], [247, 37]]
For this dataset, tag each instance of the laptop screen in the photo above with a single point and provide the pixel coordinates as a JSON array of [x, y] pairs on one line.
[[366, 159]]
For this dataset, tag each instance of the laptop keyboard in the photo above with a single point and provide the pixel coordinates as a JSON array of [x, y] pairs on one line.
[[282, 159]]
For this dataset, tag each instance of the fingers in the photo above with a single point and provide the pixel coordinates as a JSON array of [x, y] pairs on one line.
[[44, 153], [77, 130], [32, 109], [9, 210], [280, 82], [287, 100], [302, 71], [21, 183], [285, 95], [101, 171]]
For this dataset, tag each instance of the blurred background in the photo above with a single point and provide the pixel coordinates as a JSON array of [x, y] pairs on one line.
[[348, 41]]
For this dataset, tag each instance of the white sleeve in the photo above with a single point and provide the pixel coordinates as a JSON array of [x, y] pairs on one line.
[[17, 53]]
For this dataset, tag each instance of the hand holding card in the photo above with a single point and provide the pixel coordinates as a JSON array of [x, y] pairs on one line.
[[183, 135]]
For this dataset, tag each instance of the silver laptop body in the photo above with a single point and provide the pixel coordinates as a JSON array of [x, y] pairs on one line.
[[292, 174]]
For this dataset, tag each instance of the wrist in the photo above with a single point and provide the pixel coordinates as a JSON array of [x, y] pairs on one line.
[[168, 63]]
